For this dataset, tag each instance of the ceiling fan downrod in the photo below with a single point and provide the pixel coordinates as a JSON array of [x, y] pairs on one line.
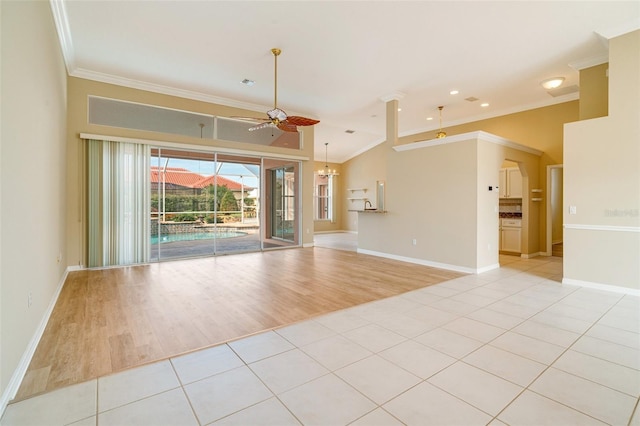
[[276, 52]]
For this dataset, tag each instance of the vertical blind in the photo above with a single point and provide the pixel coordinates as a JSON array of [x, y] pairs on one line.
[[118, 203]]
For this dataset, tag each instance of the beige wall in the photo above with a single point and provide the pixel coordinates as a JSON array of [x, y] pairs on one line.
[[594, 92], [602, 180], [32, 178], [438, 196], [540, 128], [362, 172], [80, 89]]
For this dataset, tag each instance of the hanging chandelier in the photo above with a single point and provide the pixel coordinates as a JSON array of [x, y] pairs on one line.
[[440, 133], [326, 171]]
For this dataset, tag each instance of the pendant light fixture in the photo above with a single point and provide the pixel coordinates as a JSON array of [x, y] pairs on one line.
[[440, 133], [326, 171]]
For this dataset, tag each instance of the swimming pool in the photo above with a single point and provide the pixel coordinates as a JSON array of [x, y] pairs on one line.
[[193, 236]]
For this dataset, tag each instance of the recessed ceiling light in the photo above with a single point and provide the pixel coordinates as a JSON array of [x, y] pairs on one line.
[[248, 82], [454, 92], [399, 109], [471, 99], [349, 131], [484, 105], [429, 118], [552, 83]]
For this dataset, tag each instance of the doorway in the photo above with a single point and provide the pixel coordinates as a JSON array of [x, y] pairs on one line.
[[555, 246], [282, 210], [510, 208]]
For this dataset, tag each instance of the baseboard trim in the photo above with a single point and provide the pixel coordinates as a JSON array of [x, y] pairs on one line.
[[336, 232], [531, 255], [20, 371], [603, 287], [488, 268], [449, 267]]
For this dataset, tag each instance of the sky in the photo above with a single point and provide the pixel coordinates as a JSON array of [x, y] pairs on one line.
[[250, 173]]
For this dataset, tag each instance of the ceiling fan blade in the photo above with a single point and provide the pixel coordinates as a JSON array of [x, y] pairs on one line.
[[301, 121], [261, 126], [285, 126], [253, 119]]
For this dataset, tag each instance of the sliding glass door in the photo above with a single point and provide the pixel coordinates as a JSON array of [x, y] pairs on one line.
[[150, 203], [203, 204]]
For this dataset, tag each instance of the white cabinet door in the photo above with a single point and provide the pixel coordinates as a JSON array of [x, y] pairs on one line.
[[515, 182], [510, 183], [503, 183], [510, 240]]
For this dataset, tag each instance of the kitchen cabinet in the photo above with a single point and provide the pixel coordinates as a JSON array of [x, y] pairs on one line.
[[510, 183], [510, 235]]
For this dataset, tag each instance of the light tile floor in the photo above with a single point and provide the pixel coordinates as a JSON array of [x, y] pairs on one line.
[[511, 346]]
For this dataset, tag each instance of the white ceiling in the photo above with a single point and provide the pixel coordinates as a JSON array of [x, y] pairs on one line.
[[340, 58]]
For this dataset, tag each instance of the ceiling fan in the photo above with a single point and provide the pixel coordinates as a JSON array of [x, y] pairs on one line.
[[277, 117]]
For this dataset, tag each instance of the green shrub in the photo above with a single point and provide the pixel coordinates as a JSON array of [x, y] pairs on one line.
[[184, 217], [211, 219]]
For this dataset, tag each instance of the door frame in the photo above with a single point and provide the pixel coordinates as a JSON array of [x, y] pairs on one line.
[[549, 242]]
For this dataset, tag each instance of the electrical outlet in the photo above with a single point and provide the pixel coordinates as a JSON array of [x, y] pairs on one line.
[[414, 242], [30, 300], [572, 209], [59, 258]]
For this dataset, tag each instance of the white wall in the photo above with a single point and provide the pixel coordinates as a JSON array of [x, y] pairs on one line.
[[602, 181], [32, 178]]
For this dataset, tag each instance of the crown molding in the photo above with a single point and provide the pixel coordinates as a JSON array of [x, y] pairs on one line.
[[395, 96], [61, 21], [166, 90], [589, 62], [481, 135], [624, 28], [364, 149]]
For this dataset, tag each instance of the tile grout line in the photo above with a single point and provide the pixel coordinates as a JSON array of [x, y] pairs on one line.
[[551, 366], [184, 392]]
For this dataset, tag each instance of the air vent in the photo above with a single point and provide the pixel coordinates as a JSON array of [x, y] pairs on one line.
[[471, 99], [561, 91], [350, 131]]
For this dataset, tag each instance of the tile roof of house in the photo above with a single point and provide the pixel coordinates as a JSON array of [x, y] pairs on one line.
[[189, 179], [175, 175]]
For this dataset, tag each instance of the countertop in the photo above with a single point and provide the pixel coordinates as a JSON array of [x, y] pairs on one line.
[[369, 211]]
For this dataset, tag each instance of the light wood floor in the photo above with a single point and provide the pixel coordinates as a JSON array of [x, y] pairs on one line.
[[113, 319]]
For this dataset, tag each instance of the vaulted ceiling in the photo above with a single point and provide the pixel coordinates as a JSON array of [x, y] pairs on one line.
[[341, 58]]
